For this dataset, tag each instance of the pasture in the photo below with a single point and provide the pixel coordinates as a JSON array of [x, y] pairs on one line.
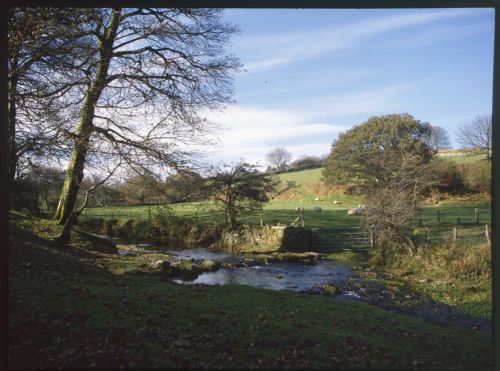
[[436, 221]]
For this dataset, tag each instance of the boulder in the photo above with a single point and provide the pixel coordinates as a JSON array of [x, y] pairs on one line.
[[317, 208], [157, 264], [209, 265]]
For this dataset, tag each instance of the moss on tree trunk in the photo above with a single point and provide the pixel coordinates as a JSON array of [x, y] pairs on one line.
[[74, 173]]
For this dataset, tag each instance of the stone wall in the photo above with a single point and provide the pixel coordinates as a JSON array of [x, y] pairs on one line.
[[268, 238], [296, 239]]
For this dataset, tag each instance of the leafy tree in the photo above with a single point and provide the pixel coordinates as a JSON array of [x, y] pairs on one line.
[[387, 159], [142, 188], [477, 134], [185, 187], [148, 73], [369, 156], [306, 162], [278, 158], [240, 189]]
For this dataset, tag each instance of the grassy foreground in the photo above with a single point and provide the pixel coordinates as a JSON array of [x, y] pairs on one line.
[[72, 307]]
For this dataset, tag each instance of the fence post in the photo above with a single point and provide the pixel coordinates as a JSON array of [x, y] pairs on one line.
[[261, 217], [487, 233], [372, 236], [476, 215], [302, 216], [420, 222], [129, 215], [149, 213], [454, 234], [112, 215], [438, 217], [425, 235], [458, 221], [86, 214], [196, 216]]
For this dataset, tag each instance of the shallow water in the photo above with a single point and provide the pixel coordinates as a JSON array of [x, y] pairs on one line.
[[277, 276]]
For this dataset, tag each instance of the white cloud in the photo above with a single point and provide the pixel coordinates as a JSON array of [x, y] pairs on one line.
[[251, 132]]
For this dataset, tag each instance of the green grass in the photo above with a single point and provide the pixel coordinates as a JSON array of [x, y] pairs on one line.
[[464, 158], [309, 176], [71, 307], [283, 211]]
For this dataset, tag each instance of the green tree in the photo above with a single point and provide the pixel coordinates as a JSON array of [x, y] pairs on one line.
[[142, 189], [185, 186], [369, 156], [388, 160], [306, 162], [240, 189]]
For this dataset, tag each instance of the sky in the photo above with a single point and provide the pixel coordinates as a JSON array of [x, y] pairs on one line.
[[310, 74]]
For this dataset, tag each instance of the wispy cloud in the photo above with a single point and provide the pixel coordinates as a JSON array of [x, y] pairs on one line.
[[307, 128], [251, 132], [269, 51]]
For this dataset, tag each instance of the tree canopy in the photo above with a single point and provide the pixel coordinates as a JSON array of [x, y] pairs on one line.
[[240, 189], [370, 155]]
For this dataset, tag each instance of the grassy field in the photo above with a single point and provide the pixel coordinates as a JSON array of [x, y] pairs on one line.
[[331, 216], [308, 186], [73, 308], [461, 155], [309, 176]]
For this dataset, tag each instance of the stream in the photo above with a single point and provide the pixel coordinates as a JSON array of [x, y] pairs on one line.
[[276, 276], [309, 277]]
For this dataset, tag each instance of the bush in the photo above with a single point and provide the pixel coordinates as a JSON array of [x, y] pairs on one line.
[[24, 196], [450, 262], [447, 176], [476, 176], [94, 225]]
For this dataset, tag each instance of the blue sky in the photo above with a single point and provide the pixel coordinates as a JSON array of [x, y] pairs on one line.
[[312, 73]]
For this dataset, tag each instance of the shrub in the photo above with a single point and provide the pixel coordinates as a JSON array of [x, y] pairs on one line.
[[476, 176], [447, 176], [94, 225]]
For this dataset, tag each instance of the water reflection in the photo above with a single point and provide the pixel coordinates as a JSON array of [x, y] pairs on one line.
[[276, 276]]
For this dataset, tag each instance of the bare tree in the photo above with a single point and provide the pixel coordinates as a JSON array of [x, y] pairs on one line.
[[38, 80], [438, 138], [148, 74], [278, 158], [65, 235], [477, 135], [391, 209]]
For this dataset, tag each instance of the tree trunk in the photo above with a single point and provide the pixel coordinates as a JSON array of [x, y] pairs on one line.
[[232, 220], [65, 235], [12, 133], [74, 173]]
